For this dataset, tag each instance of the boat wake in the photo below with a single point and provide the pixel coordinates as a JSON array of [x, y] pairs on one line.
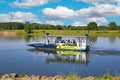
[[105, 51]]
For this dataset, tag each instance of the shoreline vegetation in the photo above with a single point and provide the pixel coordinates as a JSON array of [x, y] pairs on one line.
[[14, 76], [62, 32]]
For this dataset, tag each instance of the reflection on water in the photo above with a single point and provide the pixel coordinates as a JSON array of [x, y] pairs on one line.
[[107, 43], [17, 57], [65, 57]]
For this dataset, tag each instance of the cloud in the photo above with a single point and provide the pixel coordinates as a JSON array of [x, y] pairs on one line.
[[99, 1], [102, 19], [97, 13], [18, 17], [100, 10], [78, 23], [97, 20], [55, 23], [58, 13], [29, 3], [5, 18]]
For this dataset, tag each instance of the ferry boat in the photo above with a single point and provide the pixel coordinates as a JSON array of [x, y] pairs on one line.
[[80, 43]]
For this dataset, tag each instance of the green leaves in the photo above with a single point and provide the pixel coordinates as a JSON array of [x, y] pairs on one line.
[[92, 26], [28, 28], [112, 26]]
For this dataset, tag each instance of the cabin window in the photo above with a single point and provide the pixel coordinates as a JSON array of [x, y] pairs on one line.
[[59, 39]]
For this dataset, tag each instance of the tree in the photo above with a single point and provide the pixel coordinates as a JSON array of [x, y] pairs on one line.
[[28, 28], [12, 25], [69, 27], [112, 26], [59, 27], [92, 26]]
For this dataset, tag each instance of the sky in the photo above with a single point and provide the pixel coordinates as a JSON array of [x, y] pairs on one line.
[[61, 12]]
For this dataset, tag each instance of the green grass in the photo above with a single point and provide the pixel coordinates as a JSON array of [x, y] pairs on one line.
[[73, 77], [94, 33], [77, 32], [106, 76], [21, 75]]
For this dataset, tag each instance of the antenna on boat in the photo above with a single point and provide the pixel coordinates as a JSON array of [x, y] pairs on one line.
[[46, 34], [47, 41], [87, 35]]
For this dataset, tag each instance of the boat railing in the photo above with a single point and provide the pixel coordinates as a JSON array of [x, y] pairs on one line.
[[67, 43]]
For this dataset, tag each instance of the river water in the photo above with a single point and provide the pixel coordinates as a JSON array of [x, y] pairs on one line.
[[17, 57]]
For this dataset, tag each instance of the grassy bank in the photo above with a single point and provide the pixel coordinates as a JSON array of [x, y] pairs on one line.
[[68, 32], [78, 32], [14, 76]]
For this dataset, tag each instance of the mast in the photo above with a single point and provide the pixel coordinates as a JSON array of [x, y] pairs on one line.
[[47, 40]]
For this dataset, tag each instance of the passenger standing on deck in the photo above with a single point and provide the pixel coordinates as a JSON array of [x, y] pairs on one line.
[[48, 41], [74, 43], [56, 41], [69, 42], [66, 42]]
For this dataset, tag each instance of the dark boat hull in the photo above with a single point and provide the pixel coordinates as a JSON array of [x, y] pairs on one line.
[[44, 46], [55, 47]]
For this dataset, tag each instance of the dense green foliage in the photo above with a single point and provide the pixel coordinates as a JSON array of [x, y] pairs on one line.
[[38, 26], [92, 25], [28, 28], [12, 26], [112, 25]]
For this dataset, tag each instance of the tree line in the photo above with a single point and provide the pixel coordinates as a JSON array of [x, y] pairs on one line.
[[27, 26], [12, 26]]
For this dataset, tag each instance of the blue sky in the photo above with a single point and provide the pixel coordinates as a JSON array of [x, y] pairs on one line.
[[60, 12]]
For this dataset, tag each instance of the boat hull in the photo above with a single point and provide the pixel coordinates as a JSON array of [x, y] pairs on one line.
[[58, 47]]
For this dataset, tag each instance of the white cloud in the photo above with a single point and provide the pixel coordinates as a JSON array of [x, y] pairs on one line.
[[102, 19], [96, 13], [58, 13], [99, 1], [97, 20], [78, 24], [18, 17], [100, 10], [55, 23], [4, 18], [29, 3]]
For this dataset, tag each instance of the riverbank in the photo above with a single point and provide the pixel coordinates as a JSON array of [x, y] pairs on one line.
[[63, 32], [8, 33], [14, 76]]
